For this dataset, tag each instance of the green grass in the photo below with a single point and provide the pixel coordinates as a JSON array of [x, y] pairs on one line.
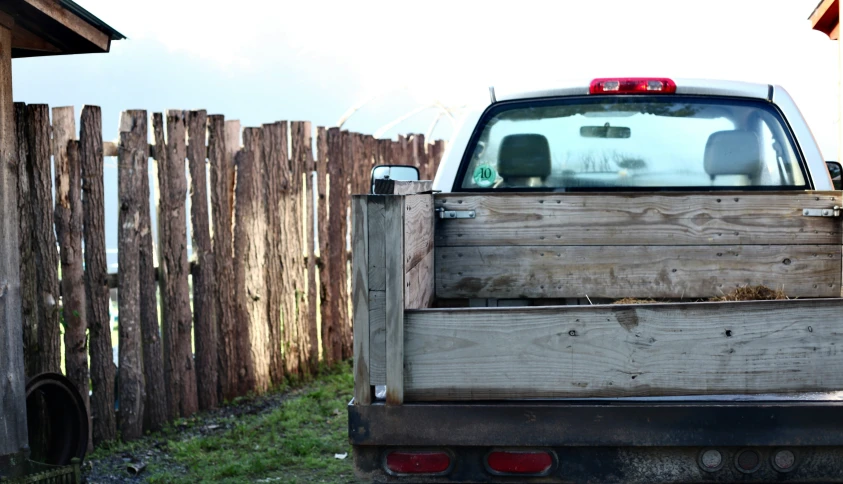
[[293, 443]]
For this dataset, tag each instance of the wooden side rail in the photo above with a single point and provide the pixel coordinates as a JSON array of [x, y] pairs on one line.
[[624, 351], [392, 249], [671, 245]]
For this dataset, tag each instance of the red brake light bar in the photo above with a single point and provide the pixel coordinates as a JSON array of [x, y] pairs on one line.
[[418, 462], [531, 463], [632, 85]]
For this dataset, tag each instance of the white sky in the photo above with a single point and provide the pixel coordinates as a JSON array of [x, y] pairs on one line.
[[262, 61], [265, 60]]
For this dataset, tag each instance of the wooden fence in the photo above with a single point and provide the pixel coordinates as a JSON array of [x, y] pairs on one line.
[[270, 301]]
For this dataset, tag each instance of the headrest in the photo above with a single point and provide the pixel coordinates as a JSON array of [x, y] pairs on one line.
[[524, 155], [733, 153]]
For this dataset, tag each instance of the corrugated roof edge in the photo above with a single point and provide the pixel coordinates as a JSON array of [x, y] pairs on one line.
[[91, 19]]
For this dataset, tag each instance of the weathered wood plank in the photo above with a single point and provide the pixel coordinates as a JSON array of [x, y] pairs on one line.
[[274, 162], [639, 219], [46, 257], [249, 277], [419, 284], [635, 271], [155, 408], [418, 228], [623, 351], [204, 284], [13, 428], [377, 254], [377, 337], [130, 385], [394, 250], [96, 275], [28, 277], [360, 299]]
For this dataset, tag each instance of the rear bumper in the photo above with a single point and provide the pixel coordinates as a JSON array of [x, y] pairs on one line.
[[608, 441]]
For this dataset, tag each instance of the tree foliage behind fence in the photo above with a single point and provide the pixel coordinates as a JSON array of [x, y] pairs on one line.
[[269, 227]]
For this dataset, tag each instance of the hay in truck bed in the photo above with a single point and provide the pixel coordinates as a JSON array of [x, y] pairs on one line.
[[466, 310]]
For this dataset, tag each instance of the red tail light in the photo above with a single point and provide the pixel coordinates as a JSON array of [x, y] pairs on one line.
[[632, 85], [418, 462], [520, 462]]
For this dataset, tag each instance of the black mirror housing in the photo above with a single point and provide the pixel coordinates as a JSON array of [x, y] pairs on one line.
[[393, 172]]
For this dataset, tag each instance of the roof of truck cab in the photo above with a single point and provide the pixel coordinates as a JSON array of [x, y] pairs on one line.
[[700, 87]]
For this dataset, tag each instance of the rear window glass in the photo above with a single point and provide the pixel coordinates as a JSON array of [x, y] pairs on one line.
[[624, 142]]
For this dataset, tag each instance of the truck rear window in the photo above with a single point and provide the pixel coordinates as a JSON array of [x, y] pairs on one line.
[[628, 142]]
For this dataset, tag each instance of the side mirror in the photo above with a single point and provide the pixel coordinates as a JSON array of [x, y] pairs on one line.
[[835, 169], [394, 173]]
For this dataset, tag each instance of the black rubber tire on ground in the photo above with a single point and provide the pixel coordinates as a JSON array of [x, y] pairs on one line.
[[63, 424]]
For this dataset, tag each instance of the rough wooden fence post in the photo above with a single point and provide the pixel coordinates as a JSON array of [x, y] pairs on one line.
[[13, 432], [74, 299], [156, 412], [273, 164], [222, 201], [46, 256], [294, 289], [96, 276], [169, 333], [242, 363], [249, 276], [329, 341], [28, 278], [204, 286], [302, 147], [288, 241], [132, 150], [69, 230], [179, 370], [335, 242], [343, 205]]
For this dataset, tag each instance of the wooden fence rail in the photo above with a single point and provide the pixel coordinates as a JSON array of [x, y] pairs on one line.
[[269, 272]]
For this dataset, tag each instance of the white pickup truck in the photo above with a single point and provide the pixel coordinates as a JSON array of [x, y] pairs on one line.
[[673, 131], [559, 305]]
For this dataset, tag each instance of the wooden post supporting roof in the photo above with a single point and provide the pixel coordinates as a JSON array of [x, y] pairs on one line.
[[27, 28], [826, 19], [13, 438]]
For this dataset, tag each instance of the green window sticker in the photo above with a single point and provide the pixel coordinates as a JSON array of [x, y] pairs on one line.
[[485, 176]]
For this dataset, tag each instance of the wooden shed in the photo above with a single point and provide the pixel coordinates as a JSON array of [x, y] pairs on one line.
[[826, 18], [27, 28]]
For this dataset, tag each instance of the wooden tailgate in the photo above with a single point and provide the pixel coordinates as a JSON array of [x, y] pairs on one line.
[[671, 245]]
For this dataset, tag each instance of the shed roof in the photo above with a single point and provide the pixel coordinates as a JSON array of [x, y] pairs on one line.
[[826, 18], [55, 27]]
